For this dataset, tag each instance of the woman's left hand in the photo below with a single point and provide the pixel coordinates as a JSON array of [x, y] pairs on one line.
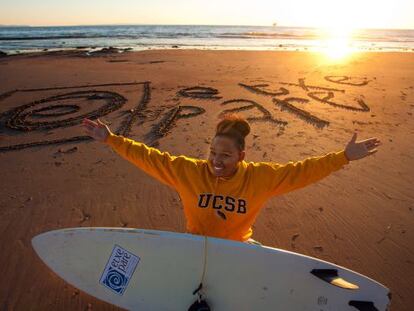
[[357, 150]]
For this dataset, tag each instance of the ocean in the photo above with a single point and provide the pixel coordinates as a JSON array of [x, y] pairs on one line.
[[141, 37]]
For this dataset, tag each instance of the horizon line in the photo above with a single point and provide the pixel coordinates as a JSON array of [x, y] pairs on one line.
[[218, 25]]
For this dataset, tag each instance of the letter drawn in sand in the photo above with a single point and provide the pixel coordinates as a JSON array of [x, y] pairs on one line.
[[346, 80], [258, 89], [301, 83], [169, 120], [285, 104], [324, 97], [248, 105], [199, 92]]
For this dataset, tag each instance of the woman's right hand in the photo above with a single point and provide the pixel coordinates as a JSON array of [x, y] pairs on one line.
[[97, 130]]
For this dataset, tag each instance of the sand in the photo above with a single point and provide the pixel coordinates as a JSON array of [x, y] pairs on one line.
[[299, 105]]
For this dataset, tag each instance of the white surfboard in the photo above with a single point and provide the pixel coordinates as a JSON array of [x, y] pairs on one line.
[[157, 270]]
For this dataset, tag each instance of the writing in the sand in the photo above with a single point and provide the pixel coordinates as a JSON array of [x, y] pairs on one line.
[[26, 117], [325, 94], [217, 201], [317, 93], [120, 260]]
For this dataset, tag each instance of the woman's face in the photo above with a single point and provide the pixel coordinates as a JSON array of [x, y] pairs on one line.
[[224, 156]]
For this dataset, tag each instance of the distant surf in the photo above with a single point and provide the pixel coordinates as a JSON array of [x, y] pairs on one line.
[[141, 37]]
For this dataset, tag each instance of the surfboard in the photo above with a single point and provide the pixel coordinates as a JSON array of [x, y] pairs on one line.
[[140, 269]]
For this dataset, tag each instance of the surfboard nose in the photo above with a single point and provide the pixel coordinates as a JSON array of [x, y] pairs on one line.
[[37, 243], [40, 239], [48, 244]]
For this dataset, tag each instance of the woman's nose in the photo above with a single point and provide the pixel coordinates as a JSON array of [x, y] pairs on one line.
[[217, 160]]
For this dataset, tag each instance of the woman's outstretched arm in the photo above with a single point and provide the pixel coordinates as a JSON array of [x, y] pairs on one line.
[[283, 178], [161, 165]]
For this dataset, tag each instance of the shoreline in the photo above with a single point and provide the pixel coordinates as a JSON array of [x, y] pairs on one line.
[[86, 50]]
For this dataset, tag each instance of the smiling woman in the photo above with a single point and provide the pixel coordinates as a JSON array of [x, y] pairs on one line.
[[222, 196]]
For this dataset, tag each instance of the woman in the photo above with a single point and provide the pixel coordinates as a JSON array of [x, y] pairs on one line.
[[223, 195]]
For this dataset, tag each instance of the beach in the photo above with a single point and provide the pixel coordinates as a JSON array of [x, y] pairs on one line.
[[299, 104]]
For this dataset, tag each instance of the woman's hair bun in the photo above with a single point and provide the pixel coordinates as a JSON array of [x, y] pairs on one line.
[[232, 123]]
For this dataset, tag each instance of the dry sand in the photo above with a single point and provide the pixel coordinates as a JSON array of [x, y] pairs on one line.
[[361, 217]]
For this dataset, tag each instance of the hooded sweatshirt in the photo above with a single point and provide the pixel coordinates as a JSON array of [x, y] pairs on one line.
[[218, 206]]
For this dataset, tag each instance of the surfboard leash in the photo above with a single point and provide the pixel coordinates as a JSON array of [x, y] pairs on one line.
[[201, 304]]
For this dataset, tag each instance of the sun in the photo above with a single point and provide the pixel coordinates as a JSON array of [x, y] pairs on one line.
[[336, 33], [336, 39], [336, 42]]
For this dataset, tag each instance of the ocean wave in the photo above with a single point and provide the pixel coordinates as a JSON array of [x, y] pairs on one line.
[[28, 38], [100, 36], [266, 35]]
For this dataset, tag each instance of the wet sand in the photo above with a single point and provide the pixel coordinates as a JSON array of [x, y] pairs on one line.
[[299, 106]]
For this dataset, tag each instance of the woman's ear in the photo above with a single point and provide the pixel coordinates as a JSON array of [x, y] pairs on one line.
[[242, 155]]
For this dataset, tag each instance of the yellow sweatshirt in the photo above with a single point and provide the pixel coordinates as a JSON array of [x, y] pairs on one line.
[[225, 207]]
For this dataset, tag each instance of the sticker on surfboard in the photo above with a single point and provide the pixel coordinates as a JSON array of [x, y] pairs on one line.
[[119, 270]]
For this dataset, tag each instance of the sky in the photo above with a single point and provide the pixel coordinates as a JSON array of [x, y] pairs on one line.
[[302, 13]]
